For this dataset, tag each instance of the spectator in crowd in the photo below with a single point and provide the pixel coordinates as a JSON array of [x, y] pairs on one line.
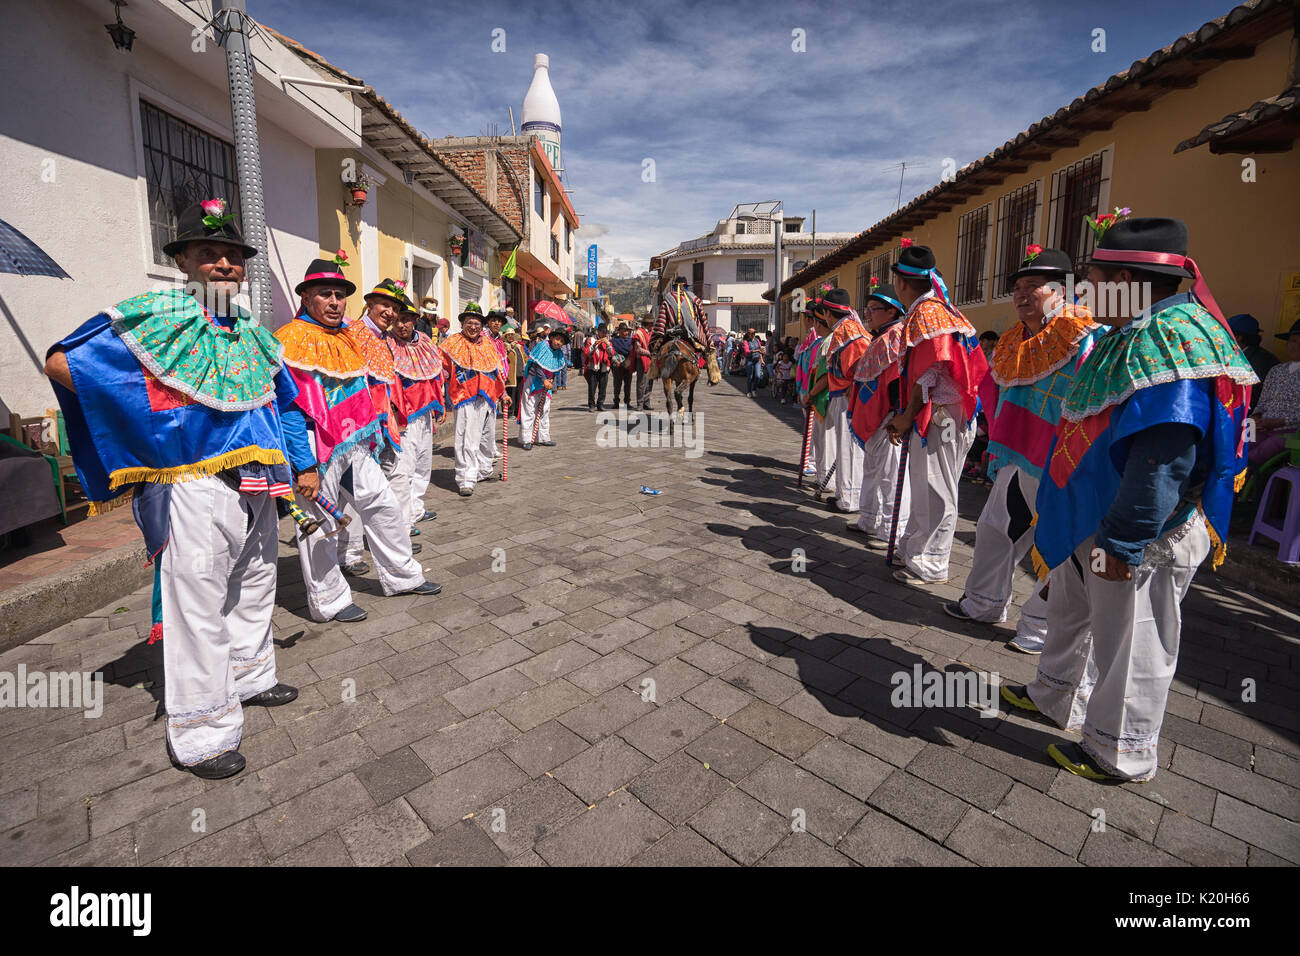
[[1246, 328], [597, 357], [427, 321], [516, 357], [987, 341], [1277, 413], [785, 376], [755, 372], [641, 361], [621, 362]]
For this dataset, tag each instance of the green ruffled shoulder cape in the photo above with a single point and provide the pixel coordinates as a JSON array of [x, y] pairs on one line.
[[172, 337], [1182, 342]]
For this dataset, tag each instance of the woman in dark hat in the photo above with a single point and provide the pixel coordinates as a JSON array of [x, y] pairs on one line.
[[1138, 489], [1277, 414], [174, 398]]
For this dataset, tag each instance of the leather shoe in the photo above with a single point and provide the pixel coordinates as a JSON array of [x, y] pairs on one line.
[[214, 768], [350, 615], [277, 695], [416, 547], [547, 444], [527, 447], [428, 587]]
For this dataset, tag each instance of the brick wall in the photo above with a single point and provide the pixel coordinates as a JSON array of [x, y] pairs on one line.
[[511, 196]]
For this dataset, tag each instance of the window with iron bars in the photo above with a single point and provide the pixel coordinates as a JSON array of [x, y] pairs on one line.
[[749, 270], [880, 266], [864, 284], [697, 279], [555, 248], [1077, 192], [1017, 224], [183, 165], [972, 256]]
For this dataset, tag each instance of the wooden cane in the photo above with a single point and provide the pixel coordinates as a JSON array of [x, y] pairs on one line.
[[807, 447], [821, 489], [537, 419], [898, 499]]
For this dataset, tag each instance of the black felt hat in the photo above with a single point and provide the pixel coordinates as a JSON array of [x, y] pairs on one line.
[[1146, 234], [324, 272], [389, 289], [1052, 263], [834, 301], [1295, 330], [212, 223], [914, 260]]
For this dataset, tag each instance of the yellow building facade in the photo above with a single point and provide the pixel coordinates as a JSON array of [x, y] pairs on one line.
[[1116, 150]]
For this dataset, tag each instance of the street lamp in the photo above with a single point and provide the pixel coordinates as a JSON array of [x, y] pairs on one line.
[[123, 36]]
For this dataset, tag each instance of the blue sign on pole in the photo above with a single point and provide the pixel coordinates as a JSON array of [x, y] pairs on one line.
[[591, 266]]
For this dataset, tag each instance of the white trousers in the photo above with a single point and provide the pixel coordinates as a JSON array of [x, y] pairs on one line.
[[408, 470], [386, 528], [823, 444], [848, 456], [933, 472], [218, 592], [1112, 648], [476, 425], [1003, 536], [535, 407], [879, 475]]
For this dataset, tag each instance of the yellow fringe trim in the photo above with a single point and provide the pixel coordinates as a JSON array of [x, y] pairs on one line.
[[1040, 564], [104, 507], [1239, 482], [209, 466], [1218, 547]]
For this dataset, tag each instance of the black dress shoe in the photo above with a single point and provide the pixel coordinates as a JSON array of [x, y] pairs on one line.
[[350, 615], [214, 768], [527, 447], [492, 477], [428, 587], [547, 444], [276, 696], [416, 547]]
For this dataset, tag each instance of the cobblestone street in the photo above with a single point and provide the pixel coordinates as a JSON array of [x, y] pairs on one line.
[[503, 721]]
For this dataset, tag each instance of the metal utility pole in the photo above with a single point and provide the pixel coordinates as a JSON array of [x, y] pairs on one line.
[[813, 257], [776, 298], [233, 26]]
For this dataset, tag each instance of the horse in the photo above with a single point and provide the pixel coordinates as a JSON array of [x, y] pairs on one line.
[[678, 363]]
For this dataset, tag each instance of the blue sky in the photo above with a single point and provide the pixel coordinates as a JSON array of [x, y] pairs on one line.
[[715, 95]]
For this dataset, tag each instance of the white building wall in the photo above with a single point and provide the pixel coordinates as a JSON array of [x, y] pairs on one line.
[[69, 141]]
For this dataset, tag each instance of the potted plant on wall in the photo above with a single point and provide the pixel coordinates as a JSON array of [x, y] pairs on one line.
[[359, 188], [457, 244]]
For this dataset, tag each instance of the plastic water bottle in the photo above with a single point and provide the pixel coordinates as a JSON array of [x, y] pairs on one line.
[[645, 490]]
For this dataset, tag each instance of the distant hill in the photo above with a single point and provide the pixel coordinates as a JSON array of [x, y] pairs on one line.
[[628, 295]]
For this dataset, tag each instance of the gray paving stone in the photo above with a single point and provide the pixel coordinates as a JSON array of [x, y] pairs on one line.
[[718, 698], [540, 704], [459, 743], [302, 772], [602, 768], [878, 840], [710, 656], [238, 845], [775, 729], [1258, 827], [46, 836], [557, 662], [417, 659], [393, 775], [670, 679], [960, 776], [677, 787], [544, 747], [607, 714], [424, 687], [325, 850], [1048, 820], [452, 795], [794, 793], [611, 834], [762, 682], [487, 692], [608, 671], [140, 798], [462, 844], [918, 804], [683, 847], [740, 826], [528, 815], [1197, 844], [803, 849], [307, 816], [1251, 787], [729, 752], [667, 729], [335, 721], [384, 833], [1111, 847], [608, 636], [988, 841], [1124, 809], [846, 767], [490, 659], [412, 724], [173, 828]]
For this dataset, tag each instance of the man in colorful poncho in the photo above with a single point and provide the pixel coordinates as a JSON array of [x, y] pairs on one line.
[[818, 396], [875, 400], [942, 370], [383, 304], [417, 404], [173, 399], [681, 309], [544, 363], [475, 387], [1032, 367], [805, 360], [333, 435], [847, 343], [1136, 493]]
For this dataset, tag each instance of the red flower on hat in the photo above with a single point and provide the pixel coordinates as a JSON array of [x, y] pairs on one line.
[[905, 242], [215, 215], [1031, 252], [875, 281], [340, 259]]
